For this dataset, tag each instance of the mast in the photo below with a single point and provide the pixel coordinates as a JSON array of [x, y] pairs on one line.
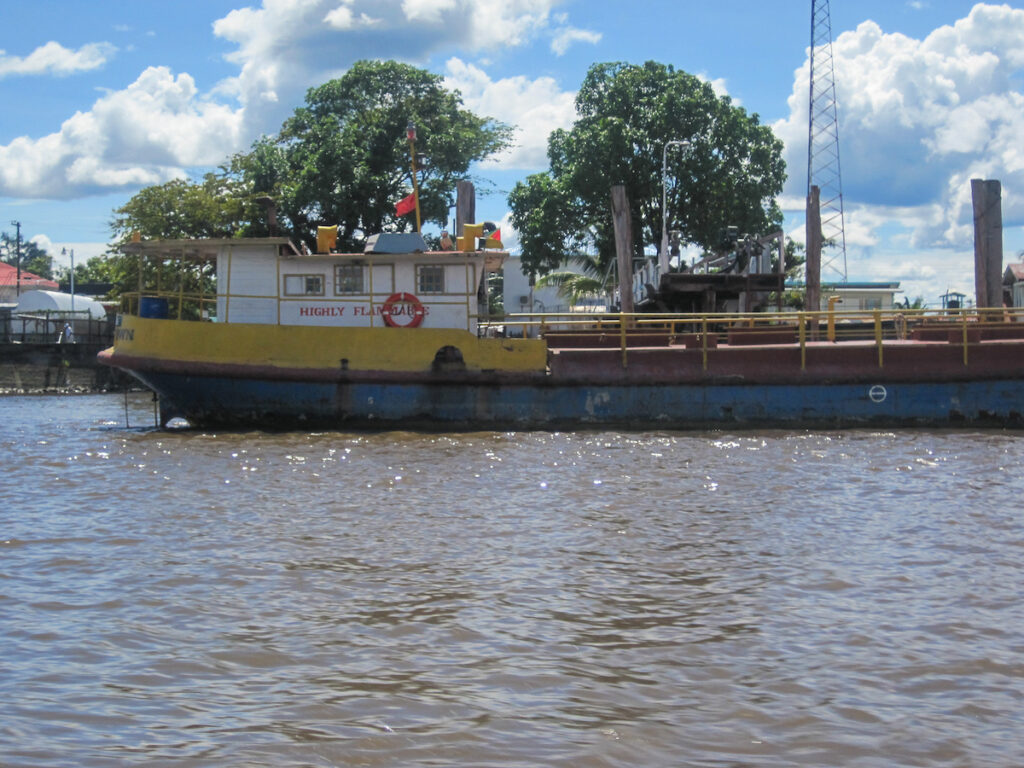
[[823, 169]]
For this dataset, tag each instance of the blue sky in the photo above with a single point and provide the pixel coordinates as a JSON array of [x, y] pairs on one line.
[[103, 98]]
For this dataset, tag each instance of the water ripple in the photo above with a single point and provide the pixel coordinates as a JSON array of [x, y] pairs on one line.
[[505, 599]]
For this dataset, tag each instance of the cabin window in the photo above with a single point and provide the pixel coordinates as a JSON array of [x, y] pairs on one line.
[[430, 279], [872, 303], [348, 279], [303, 285]]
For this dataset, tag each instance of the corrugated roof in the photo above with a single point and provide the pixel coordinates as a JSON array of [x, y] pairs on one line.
[[1014, 273], [9, 276]]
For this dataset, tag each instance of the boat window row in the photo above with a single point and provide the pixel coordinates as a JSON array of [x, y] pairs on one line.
[[350, 280]]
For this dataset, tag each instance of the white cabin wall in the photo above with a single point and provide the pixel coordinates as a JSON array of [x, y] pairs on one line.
[[255, 291], [249, 293]]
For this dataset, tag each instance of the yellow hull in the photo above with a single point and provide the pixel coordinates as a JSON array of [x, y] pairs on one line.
[[399, 350]]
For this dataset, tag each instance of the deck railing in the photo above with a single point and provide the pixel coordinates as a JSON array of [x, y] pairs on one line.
[[963, 327], [176, 305]]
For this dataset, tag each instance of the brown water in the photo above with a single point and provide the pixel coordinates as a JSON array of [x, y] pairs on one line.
[[505, 599]]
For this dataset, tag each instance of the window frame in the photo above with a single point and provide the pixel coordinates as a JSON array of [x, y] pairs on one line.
[[421, 269], [305, 277], [338, 268]]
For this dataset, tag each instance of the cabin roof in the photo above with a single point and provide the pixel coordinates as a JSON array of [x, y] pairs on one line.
[[208, 249], [201, 249]]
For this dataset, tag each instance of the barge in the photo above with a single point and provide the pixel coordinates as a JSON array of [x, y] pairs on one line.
[[394, 338]]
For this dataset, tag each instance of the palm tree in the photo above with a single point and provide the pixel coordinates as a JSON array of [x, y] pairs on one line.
[[588, 280]]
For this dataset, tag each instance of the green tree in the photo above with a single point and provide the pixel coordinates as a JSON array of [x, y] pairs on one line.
[[590, 278], [729, 174], [343, 158], [96, 271], [33, 258], [216, 206]]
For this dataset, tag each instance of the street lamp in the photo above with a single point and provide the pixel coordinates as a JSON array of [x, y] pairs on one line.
[[663, 253]]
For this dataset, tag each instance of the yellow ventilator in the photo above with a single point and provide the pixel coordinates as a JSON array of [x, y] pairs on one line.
[[326, 239], [470, 234]]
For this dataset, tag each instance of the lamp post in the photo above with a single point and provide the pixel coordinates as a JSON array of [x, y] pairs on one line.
[[663, 252]]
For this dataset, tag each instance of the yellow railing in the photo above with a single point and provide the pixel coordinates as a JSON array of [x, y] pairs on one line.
[[170, 304], [961, 326]]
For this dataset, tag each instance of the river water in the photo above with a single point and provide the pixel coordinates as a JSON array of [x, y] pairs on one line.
[[597, 598]]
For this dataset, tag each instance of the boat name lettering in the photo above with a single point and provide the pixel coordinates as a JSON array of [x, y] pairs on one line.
[[124, 334], [360, 310]]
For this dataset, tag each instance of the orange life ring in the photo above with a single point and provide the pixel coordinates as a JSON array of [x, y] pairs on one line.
[[403, 305]]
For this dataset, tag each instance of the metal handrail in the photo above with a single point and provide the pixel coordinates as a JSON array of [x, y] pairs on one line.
[[876, 326]]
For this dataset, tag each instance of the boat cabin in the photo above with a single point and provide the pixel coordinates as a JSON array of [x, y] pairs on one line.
[[394, 282]]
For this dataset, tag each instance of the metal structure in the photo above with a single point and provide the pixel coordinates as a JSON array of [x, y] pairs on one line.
[[823, 168]]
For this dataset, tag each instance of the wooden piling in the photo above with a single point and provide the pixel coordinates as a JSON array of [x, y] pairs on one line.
[[465, 206], [623, 246], [986, 196], [812, 266]]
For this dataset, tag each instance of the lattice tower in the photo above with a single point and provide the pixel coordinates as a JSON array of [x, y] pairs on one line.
[[823, 167]]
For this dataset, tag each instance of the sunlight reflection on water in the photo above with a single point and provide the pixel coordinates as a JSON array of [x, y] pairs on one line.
[[506, 599]]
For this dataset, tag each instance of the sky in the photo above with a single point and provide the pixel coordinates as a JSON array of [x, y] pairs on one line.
[[102, 99]]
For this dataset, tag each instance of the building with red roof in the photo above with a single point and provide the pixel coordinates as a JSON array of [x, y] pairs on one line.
[[9, 283]]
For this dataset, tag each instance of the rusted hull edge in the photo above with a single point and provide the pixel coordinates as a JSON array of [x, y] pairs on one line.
[[219, 401]]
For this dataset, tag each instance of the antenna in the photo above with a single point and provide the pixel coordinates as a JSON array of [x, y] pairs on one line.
[[823, 139]]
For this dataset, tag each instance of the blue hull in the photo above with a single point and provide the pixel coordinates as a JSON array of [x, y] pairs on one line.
[[236, 402]]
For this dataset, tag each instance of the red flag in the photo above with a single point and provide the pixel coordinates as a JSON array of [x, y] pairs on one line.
[[496, 234], [406, 205]]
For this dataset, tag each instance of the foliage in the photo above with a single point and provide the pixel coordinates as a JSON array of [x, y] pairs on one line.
[[793, 252], [495, 294], [343, 158], [100, 273], [33, 258], [217, 206], [543, 217], [591, 279], [729, 174]]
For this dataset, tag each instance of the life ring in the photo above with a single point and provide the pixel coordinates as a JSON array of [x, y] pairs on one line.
[[403, 305]]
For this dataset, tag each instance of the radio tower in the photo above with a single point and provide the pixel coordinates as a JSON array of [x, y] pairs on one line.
[[823, 139]]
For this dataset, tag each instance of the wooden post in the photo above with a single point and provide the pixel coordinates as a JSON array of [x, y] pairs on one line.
[[465, 206], [986, 196], [812, 266], [623, 246]]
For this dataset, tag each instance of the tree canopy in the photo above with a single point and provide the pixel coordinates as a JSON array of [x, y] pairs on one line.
[[33, 258], [217, 206], [340, 159], [343, 157], [729, 173]]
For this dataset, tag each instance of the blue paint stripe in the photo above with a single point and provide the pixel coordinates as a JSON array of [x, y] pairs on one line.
[[252, 402]]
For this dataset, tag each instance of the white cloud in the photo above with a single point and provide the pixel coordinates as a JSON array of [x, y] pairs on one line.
[[61, 252], [536, 107], [144, 134], [919, 118], [429, 11], [54, 59], [285, 46], [159, 126], [566, 37]]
